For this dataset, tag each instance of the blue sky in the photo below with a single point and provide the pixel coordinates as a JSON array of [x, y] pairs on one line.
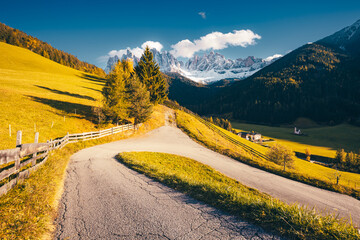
[[91, 29]]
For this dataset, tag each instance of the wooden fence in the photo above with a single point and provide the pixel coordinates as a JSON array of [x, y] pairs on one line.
[[17, 164], [231, 139]]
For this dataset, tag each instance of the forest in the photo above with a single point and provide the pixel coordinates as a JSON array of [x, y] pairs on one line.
[[315, 81], [18, 38]]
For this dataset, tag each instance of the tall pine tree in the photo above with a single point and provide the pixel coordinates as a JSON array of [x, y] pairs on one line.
[[149, 74], [115, 104], [140, 108]]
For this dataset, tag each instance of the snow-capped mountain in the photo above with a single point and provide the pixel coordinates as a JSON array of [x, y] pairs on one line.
[[206, 69], [112, 60]]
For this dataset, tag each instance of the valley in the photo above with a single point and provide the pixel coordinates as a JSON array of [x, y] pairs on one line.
[[182, 171], [323, 141]]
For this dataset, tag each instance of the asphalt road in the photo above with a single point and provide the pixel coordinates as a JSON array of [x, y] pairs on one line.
[[105, 200]]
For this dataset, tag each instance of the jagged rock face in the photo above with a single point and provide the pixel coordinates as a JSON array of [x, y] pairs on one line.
[[207, 68], [110, 63], [166, 61]]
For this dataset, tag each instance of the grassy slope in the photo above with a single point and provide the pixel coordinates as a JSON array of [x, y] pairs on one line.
[[323, 141], [28, 210], [303, 171], [210, 186], [37, 91]]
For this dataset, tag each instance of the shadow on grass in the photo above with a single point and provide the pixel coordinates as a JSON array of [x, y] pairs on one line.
[[92, 89], [66, 93], [82, 111], [94, 79]]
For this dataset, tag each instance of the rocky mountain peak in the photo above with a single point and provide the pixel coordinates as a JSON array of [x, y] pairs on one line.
[[206, 68]]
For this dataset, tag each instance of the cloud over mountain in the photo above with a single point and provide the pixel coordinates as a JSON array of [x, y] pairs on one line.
[[137, 51], [158, 46], [270, 58], [214, 41]]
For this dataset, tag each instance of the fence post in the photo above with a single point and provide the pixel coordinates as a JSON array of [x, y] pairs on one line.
[[36, 140], [112, 130], [18, 144], [18, 138]]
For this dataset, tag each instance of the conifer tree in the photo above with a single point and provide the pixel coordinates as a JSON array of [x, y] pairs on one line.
[[149, 74], [115, 103], [140, 108]]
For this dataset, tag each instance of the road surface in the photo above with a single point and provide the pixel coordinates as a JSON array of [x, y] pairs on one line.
[[105, 200]]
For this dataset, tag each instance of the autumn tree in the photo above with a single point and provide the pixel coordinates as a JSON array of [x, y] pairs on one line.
[[149, 74], [340, 156], [140, 107], [115, 103], [281, 155], [125, 96], [308, 154]]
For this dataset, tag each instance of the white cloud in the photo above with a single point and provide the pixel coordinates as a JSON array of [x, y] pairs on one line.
[[137, 51], [214, 41], [268, 59], [202, 14], [158, 46]]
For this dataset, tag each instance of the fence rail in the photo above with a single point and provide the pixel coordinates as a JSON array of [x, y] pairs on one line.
[[16, 164], [231, 139]]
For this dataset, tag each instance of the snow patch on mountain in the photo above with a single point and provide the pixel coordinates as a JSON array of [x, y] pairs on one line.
[[206, 69]]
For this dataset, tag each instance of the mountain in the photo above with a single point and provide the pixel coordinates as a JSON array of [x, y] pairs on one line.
[[18, 38], [189, 93], [320, 81], [205, 69], [346, 39]]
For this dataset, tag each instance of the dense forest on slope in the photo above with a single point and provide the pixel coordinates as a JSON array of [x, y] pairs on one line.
[[320, 81], [192, 94], [313, 81], [18, 38]]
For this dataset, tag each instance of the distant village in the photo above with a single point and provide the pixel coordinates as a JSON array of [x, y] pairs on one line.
[[257, 137]]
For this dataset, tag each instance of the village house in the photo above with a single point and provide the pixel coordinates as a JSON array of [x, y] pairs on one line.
[[251, 136], [297, 131]]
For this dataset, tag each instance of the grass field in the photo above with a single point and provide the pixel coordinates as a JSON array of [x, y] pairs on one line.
[[36, 93], [28, 210], [302, 170], [212, 187], [323, 141]]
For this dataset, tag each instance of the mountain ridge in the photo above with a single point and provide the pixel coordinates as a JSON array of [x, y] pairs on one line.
[[205, 69], [320, 81]]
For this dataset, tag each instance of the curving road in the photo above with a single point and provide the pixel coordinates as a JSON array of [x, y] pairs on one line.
[[105, 200]]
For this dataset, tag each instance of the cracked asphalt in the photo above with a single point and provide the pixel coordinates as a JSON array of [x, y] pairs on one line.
[[103, 199]]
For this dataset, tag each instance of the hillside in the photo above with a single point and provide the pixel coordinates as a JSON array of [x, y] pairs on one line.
[[191, 94], [36, 93], [320, 81], [18, 38]]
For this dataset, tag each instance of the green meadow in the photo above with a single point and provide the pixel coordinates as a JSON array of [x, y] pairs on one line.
[[302, 170], [323, 141]]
